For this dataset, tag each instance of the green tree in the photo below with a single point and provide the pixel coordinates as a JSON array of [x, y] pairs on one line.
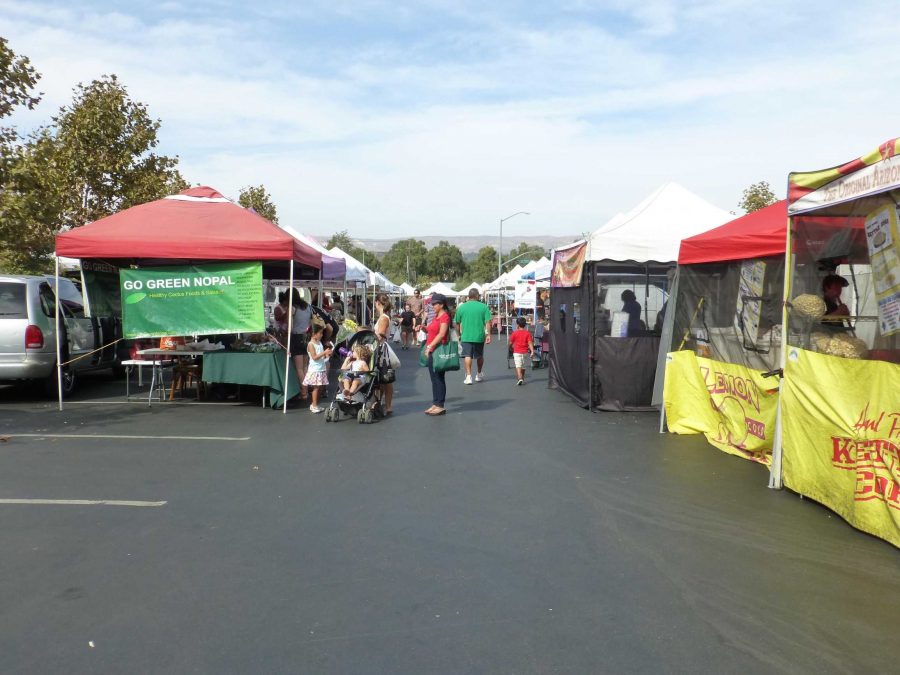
[[757, 196], [525, 252], [17, 81], [94, 159], [257, 198], [344, 241], [446, 262], [484, 267], [395, 260]]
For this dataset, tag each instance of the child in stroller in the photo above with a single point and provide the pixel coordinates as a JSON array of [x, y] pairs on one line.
[[364, 403], [355, 370]]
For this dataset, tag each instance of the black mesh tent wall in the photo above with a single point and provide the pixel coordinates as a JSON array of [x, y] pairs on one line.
[[591, 361]]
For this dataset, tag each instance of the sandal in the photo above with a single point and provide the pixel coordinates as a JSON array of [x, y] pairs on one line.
[[435, 413]]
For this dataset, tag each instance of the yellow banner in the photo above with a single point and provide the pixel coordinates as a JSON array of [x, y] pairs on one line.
[[732, 405], [842, 438]]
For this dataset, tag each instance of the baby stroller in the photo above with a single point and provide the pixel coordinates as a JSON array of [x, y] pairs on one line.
[[365, 404]]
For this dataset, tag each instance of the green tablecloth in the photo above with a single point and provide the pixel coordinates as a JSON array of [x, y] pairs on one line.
[[260, 369]]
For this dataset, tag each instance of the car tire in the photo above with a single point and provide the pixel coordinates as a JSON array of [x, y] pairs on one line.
[[70, 382]]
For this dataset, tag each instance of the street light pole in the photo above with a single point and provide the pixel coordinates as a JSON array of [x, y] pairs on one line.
[[500, 258]]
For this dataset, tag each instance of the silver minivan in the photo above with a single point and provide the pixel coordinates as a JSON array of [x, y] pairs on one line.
[[28, 337]]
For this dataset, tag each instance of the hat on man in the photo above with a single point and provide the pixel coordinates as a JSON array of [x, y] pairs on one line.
[[438, 298], [834, 279]]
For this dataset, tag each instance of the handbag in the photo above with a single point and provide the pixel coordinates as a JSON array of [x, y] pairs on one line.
[[446, 357], [393, 360]]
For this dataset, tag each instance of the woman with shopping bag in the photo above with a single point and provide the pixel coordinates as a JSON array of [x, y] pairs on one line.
[[438, 354]]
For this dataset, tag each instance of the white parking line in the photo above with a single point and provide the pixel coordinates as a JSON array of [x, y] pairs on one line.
[[155, 438], [81, 502]]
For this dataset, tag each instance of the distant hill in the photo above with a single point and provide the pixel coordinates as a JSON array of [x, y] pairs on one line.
[[468, 245]]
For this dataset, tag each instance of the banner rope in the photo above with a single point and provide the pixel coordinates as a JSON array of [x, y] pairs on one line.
[[99, 349]]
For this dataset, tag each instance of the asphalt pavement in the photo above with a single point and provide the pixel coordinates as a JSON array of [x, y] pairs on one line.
[[517, 534]]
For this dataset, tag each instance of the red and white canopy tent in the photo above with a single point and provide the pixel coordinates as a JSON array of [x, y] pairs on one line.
[[197, 224], [756, 235]]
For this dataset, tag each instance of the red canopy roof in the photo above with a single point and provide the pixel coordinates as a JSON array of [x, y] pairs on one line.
[[755, 235], [195, 224]]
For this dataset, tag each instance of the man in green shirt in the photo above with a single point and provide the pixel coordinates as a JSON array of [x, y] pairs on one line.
[[473, 322]]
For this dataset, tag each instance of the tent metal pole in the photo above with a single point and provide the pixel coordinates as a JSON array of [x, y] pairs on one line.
[[775, 477], [287, 360], [59, 386], [590, 308]]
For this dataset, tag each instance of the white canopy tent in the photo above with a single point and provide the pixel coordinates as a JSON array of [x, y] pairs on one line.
[[465, 291], [633, 253], [652, 231], [407, 288], [442, 288]]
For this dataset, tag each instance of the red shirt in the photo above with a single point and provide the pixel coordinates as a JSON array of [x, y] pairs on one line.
[[519, 339], [435, 327]]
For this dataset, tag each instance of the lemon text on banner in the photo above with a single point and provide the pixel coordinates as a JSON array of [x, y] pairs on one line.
[[732, 405]]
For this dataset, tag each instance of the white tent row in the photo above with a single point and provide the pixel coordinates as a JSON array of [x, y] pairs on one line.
[[356, 271], [505, 280]]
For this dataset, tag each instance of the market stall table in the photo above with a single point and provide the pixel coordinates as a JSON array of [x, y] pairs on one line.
[[161, 358], [262, 369]]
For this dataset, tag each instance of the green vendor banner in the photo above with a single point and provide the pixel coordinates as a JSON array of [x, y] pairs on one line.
[[192, 300]]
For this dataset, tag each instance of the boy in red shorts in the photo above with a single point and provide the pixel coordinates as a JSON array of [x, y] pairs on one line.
[[521, 343]]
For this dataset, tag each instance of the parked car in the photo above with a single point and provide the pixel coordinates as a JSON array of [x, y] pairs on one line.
[[28, 337]]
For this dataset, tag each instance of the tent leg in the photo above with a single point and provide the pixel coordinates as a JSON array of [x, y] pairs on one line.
[[59, 386], [287, 360], [775, 477], [662, 419]]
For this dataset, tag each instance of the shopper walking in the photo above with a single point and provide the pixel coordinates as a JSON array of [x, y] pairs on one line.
[[473, 323], [417, 307], [438, 334]]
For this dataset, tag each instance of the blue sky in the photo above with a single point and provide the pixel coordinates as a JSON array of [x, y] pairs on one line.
[[396, 119]]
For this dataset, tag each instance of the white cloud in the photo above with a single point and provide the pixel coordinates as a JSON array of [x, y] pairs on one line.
[[572, 119]]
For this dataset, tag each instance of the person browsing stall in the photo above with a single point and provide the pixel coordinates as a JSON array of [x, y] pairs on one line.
[[473, 323], [383, 326], [299, 338], [438, 333]]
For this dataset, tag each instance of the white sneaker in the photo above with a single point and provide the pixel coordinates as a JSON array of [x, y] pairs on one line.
[[315, 410], [468, 380], [520, 383], [479, 377]]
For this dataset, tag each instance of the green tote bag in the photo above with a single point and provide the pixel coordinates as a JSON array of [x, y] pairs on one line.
[[446, 357]]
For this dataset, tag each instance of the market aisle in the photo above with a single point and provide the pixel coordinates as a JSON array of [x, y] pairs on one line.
[[518, 533]]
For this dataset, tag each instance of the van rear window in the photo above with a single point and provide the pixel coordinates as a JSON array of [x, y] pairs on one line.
[[12, 301]]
